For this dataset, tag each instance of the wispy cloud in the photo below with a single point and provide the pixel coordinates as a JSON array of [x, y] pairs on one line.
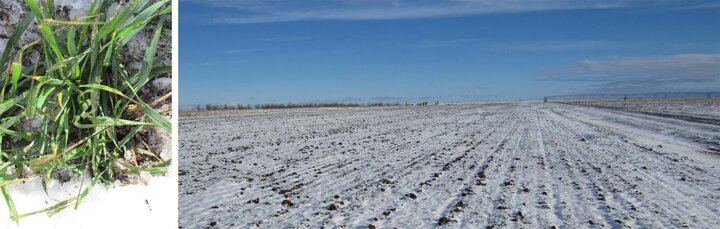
[[708, 5], [222, 62], [643, 74], [241, 51], [564, 46], [265, 11], [535, 46], [284, 39]]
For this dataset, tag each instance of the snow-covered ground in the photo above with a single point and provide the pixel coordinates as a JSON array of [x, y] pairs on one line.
[[530, 165], [151, 205], [697, 108]]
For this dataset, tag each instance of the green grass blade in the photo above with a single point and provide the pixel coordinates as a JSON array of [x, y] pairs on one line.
[[149, 56], [139, 22], [152, 114], [161, 70], [16, 71], [18, 134], [21, 27], [49, 7], [104, 88], [50, 38], [35, 9], [9, 202], [85, 192], [5, 106], [118, 18], [30, 103], [48, 80]]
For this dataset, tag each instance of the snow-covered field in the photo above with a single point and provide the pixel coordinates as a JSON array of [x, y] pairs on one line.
[[531, 165], [695, 109]]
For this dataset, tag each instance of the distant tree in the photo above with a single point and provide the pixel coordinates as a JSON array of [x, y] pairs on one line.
[[313, 105]]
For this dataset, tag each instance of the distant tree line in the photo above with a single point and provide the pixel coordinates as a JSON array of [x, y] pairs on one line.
[[215, 107]]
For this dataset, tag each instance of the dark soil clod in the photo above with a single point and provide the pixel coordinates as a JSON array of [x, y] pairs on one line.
[[508, 183], [255, 201], [411, 195], [443, 221]]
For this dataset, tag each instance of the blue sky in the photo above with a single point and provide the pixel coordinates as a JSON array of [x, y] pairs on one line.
[[280, 51]]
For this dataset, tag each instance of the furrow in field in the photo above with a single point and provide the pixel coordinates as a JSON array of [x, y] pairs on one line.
[[676, 196]]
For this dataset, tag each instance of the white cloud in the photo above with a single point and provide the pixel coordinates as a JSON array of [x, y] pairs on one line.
[[264, 11], [642, 73]]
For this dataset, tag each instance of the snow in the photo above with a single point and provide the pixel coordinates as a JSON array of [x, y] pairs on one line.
[[77, 8], [150, 205], [691, 107], [32, 124], [532, 165], [163, 84]]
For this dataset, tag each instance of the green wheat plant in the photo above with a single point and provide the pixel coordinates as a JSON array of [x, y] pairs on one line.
[[77, 107]]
